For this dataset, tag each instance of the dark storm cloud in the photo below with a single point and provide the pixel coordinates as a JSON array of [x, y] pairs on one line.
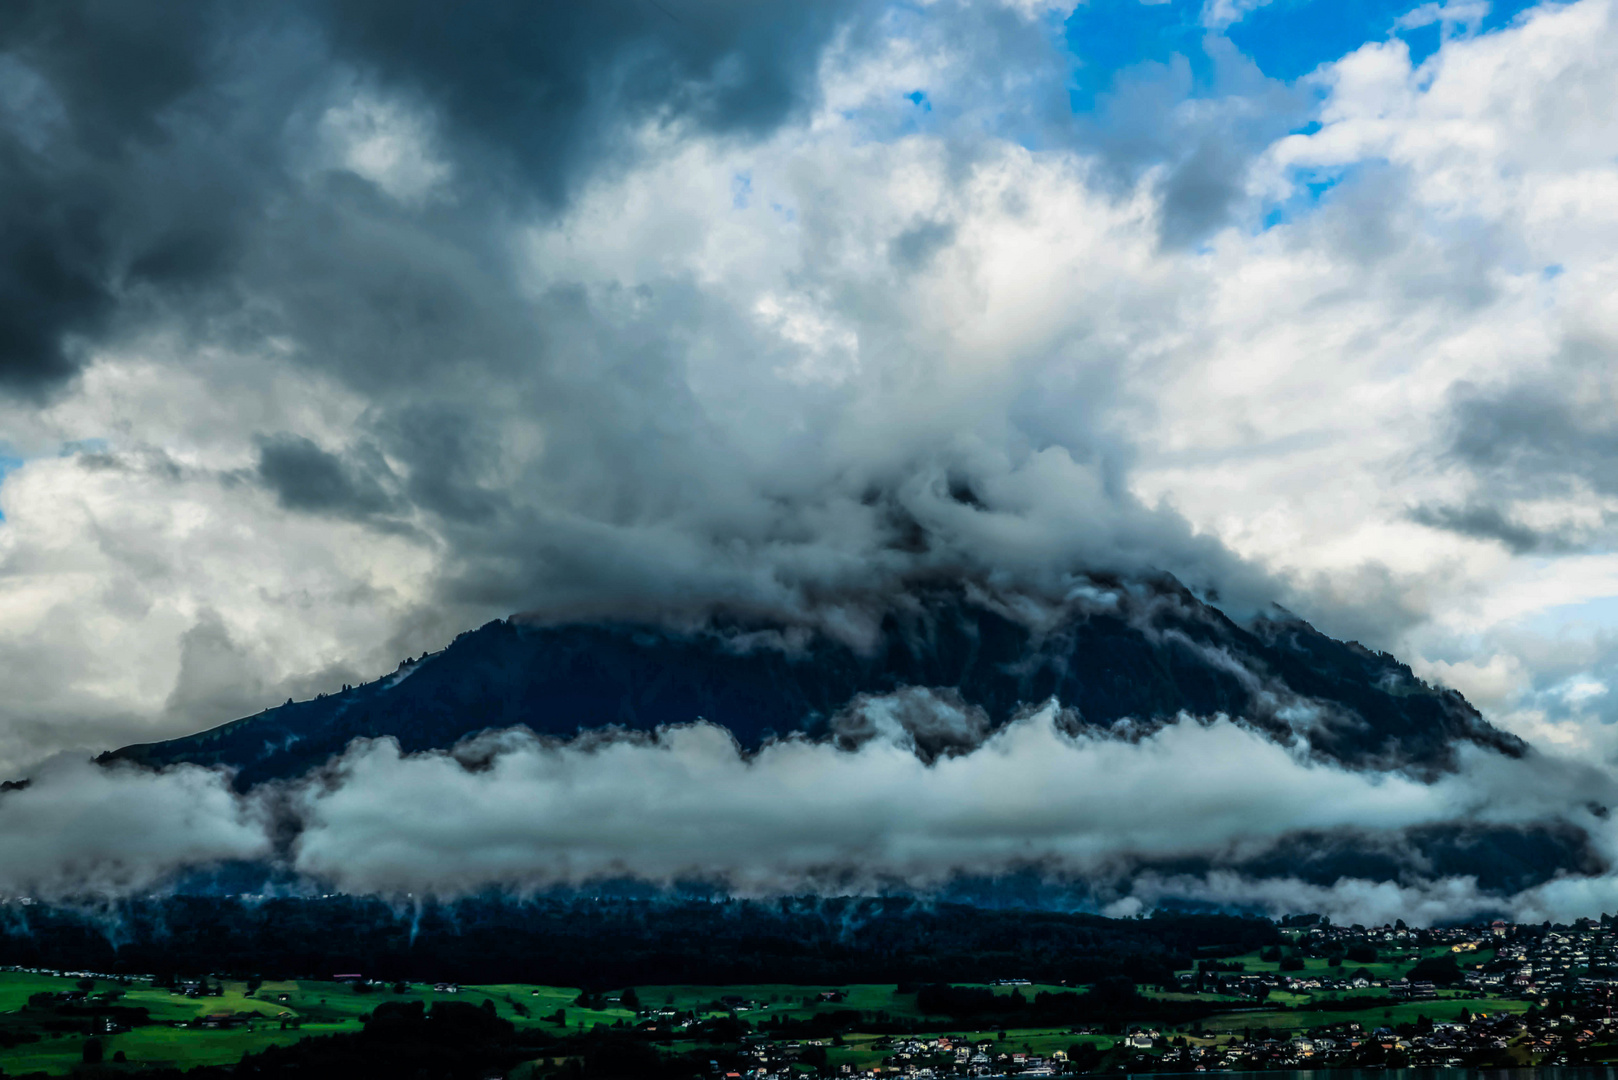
[[140, 145], [1550, 435], [914, 248], [546, 88], [1483, 522], [1201, 191], [50, 280], [305, 477], [99, 197], [1540, 434]]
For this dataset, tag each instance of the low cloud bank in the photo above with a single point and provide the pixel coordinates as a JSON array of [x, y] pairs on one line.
[[80, 828], [1174, 815], [806, 815]]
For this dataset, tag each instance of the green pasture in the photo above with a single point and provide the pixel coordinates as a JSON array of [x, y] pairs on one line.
[[1390, 964], [785, 1000], [314, 1007], [159, 1045], [1441, 1009], [17, 986]]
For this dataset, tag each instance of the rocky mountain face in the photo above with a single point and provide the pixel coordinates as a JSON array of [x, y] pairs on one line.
[[1117, 655]]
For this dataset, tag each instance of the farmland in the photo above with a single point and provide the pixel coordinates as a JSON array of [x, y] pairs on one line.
[[1266, 1007]]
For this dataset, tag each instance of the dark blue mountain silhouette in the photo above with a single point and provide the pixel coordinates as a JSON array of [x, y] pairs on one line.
[[1150, 653]]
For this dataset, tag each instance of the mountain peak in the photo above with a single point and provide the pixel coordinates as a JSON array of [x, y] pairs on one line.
[[1109, 652]]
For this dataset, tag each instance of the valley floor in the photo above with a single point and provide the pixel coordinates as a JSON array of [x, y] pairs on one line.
[[56, 1023]]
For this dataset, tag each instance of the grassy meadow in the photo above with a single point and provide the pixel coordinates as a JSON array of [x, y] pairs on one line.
[[283, 1012]]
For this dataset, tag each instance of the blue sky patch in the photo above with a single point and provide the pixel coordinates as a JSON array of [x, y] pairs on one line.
[[8, 465], [1286, 39]]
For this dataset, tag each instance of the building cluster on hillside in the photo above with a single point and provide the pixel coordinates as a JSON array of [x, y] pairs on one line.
[[1528, 961], [1566, 975], [921, 1057]]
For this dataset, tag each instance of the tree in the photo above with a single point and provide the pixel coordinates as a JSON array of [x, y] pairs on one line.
[[1083, 1057], [630, 1000], [93, 1051], [1438, 970]]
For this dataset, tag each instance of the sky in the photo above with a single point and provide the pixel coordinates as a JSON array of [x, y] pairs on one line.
[[331, 329]]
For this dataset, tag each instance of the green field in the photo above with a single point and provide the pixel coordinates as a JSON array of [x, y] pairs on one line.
[[283, 1012], [1388, 965], [1441, 1009]]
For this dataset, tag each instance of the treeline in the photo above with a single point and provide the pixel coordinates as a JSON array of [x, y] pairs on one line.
[[611, 943]]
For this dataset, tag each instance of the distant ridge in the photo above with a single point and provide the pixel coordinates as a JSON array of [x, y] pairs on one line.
[[1142, 651]]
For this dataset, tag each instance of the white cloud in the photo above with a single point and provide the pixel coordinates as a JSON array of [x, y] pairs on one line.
[[509, 810], [799, 815], [120, 565], [1449, 14], [80, 829], [1222, 14], [387, 144]]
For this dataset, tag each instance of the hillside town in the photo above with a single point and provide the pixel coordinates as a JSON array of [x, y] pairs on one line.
[[1496, 994]]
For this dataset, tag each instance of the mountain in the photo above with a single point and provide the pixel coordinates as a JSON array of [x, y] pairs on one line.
[[1115, 652]]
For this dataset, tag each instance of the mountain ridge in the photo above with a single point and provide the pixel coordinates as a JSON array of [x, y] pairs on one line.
[[1147, 652]]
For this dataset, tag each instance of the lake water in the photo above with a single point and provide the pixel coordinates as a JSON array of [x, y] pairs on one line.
[[1549, 1072]]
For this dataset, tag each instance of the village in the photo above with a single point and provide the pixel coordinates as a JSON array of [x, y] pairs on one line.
[[1504, 995]]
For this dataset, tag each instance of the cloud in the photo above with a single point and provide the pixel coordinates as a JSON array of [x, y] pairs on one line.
[[509, 808], [79, 829], [1485, 523], [307, 478], [913, 795]]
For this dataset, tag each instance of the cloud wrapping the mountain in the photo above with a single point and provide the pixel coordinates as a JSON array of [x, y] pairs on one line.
[[799, 816], [78, 829], [1119, 821]]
